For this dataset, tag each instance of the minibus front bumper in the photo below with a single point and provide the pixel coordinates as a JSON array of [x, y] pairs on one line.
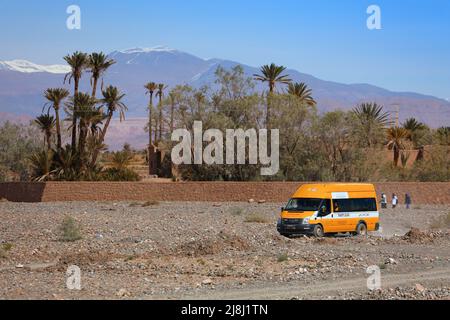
[[293, 226]]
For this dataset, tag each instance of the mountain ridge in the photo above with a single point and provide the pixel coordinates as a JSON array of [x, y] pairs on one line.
[[22, 84]]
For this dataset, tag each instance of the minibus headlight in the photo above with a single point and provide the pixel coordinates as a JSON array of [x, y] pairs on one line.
[[306, 221]]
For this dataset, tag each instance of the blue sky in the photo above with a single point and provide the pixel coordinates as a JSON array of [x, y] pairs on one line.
[[326, 38]]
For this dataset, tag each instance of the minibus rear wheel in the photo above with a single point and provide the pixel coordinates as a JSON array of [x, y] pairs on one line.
[[318, 231], [361, 229]]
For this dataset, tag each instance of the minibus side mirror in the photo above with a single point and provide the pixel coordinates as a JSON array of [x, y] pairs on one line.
[[282, 209]]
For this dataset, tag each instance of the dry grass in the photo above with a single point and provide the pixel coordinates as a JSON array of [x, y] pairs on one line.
[[441, 222], [256, 218], [70, 230], [146, 204], [4, 249], [150, 203]]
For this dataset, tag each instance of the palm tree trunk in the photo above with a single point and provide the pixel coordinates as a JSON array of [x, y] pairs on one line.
[[269, 102], [48, 137], [172, 109], [82, 143], [396, 156], [155, 136], [150, 129], [150, 142], [74, 120], [94, 87], [58, 129], [102, 138], [160, 118]]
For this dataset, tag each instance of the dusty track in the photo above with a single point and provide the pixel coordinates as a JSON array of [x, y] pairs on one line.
[[319, 289]]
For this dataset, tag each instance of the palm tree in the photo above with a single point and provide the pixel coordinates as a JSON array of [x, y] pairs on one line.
[[66, 163], [160, 94], [56, 96], [172, 100], [41, 165], [46, 124], [98, 64], [82, 107], [396, 137], [272, 74], [200, 99], [414, 127], [120, 160], [372, 120], [78, 62], [443, 135], [151, 88], [302, 91], [112, 100]]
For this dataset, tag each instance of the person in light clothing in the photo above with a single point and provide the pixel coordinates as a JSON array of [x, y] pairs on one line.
[[394, 201]]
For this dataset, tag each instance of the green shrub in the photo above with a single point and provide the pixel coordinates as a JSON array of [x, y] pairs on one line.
[[70, 230], [236, 211], [124, 174], [283, 257]]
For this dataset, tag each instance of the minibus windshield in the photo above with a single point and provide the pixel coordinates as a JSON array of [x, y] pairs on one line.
[[303, 204]]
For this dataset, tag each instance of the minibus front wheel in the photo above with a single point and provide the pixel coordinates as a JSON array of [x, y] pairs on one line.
[[318, 231]]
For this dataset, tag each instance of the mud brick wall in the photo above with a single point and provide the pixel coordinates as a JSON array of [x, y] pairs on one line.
[[277, 192]]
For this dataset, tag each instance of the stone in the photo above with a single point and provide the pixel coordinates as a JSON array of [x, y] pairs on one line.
[[391, 261], [123, 293], [420, 288]]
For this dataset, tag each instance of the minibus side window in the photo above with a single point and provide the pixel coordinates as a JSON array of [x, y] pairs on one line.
[[355, 205], [325, 208]]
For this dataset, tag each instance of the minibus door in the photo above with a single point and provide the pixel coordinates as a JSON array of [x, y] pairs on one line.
[[340, 219], [326, 216]]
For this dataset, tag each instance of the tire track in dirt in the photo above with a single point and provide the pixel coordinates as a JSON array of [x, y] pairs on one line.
[[320, 289]]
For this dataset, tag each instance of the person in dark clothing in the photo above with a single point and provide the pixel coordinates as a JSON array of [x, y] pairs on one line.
[[383, 201], [408, 201]]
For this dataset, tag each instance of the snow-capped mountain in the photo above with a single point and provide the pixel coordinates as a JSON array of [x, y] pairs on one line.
[[22, 84], [29, 67]]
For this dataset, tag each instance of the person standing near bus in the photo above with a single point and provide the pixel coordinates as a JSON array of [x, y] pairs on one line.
[[383, 201], [408, 201], [394, 201]]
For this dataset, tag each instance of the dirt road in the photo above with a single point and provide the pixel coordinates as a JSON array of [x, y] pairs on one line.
[[319, 290]]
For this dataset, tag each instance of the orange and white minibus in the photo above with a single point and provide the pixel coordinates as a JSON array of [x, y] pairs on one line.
[[331, 208]]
